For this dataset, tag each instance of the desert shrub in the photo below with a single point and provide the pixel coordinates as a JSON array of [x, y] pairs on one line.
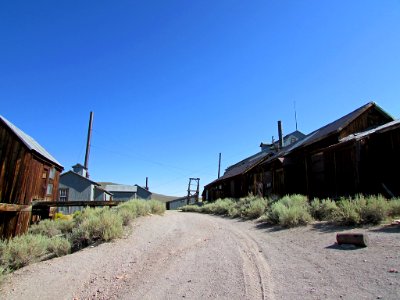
[[255, 208], [264, 218], [323, 210], [348, 212], [234, 211], [96, 224], [156, 207], [61, 216], [3, 271], [191, 208], [45, 227], [394, 208], [295, 216], [142, 207], [375, 210], [290, 211], [220, 207], [52, 228], [25, 249], [76, 214], [59, 246], [362, 210], [127, 211]]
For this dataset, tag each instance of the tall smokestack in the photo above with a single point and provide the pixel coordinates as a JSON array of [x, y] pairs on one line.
[[219, 165], [89, 137], [280, 134]]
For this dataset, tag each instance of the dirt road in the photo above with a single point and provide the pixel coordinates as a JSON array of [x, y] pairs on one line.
[[194, 256]]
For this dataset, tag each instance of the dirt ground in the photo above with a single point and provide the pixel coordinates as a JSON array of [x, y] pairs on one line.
[[195, 256]]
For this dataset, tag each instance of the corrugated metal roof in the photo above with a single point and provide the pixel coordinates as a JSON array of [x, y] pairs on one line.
[[382, 128], [121, 188], [30, 142], [80, 176]]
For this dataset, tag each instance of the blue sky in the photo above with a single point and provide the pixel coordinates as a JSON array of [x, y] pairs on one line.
[[173, 83]]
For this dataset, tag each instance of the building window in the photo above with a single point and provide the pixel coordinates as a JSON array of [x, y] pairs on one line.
[[63, 194], [52, 173], [49, 190]]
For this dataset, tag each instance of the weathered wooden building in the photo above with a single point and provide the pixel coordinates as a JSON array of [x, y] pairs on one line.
[[239, 179], [27, 172], [327, 162]]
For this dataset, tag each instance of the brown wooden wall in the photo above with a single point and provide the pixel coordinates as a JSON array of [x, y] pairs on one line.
[[24, 176]]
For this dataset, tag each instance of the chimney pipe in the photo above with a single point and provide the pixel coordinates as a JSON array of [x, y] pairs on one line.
[[89, 137], [147, 183], [280, 134], [219, 165]]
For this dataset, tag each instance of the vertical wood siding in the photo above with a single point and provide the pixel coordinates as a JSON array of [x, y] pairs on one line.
[[21, 181]]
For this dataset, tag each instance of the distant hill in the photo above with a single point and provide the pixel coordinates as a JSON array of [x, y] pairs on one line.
[[154, 196]]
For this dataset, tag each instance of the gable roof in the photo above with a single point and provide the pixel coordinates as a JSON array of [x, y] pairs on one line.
[[315, 136], [30, 143], [96, 184], [80, 177], [121, 188], [338, 125], [380, 129]]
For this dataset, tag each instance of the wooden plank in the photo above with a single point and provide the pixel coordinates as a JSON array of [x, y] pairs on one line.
[[42, 204], [15, 207]]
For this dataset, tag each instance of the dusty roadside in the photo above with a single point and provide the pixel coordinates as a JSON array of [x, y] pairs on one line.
[[186, 255]]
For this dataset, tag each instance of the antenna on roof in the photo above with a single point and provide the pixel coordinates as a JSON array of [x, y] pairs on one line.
[[295, 113]]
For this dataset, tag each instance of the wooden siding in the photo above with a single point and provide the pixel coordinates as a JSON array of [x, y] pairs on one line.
[[325, 167], [79, 188], [24, 176]]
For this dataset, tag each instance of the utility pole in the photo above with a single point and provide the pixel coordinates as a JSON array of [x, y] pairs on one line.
[[89, 137], [193, 193], [219, 165]]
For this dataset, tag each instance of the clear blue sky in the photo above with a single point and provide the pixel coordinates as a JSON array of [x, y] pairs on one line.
[[173, 83]]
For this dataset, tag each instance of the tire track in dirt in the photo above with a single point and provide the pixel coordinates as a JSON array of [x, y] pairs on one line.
[[178, 255]]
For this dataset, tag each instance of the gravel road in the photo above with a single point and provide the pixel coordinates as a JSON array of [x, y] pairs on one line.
[[195, 256]]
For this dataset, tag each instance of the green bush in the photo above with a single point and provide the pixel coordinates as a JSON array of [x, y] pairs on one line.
[[348, 212], [362, 210], [2, 273], [127, 211], [142, 207], [375, 210], [45, 227], [295, 216], [290, 211], [25, 249], [220, 207], [156, 207], [191, 208], [323, 210], [255, 209], [96, 224], [52, 228], [234, 212], [394, 208], [59, 246]]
